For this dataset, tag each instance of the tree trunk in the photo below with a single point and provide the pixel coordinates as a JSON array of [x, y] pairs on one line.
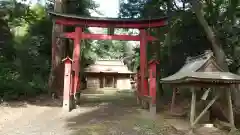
[[57, 52], [169, 34], [216, 46]]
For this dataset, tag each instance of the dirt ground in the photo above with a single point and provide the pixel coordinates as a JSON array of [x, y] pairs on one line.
[[116, 114]]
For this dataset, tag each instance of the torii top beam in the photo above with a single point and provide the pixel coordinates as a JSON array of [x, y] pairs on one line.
[[73, 20]]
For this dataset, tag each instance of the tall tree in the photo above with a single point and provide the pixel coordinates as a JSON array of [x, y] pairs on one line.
[[212, 28], [216, 45], [58, 47]]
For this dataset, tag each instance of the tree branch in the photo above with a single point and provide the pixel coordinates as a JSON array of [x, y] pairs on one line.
[[218, 50], [175, 5]]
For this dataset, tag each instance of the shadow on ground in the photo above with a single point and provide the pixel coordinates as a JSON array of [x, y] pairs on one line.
[[41, 100], [115, 115], [47, 101]]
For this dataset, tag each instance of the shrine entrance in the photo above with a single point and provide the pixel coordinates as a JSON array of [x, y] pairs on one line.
[[109, 82], [72, 65]]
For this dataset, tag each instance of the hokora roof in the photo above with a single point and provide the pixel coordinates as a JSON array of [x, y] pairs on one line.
[[197, 70], [108, 66]]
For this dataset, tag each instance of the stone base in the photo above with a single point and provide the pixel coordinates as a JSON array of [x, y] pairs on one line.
[[77, 96], [138, 100], [68, 105], [145, 105], [153, 109], [72, 102]]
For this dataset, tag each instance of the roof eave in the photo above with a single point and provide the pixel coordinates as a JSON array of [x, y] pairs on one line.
[[71, 16], [200, 80], [68, 19]]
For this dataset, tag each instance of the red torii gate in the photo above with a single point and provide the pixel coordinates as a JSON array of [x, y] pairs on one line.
[[78, 35]]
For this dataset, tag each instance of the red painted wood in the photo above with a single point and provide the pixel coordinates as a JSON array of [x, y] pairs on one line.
[[70, 35], [78, 35], [152, 80], [143, 62], [105, 24], [153, 62], [76, 59], [108, 37], [67, 78]]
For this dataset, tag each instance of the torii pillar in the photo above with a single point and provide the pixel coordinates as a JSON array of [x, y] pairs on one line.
[[76, 64], [143, 63]]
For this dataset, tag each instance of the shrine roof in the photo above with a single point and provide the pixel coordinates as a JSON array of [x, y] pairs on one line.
[[203, 77], [201, 69], [119, 22], [108, 66]]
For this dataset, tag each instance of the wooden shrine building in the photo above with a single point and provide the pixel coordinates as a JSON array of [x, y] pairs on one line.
[[204, 77], [108, 74]]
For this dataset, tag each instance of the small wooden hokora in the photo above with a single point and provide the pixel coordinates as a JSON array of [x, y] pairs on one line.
[[203, 72]]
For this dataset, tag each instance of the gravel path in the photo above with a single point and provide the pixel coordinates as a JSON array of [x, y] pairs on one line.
[[33, 120], [117, 115]]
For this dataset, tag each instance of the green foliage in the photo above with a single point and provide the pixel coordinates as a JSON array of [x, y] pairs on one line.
[[80, 7], [131, 8], [185, 37], [24, 56], [6, 43], [106, 49], [25, 39], [25, 51]]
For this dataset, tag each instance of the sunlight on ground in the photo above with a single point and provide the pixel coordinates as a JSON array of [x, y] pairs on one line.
[[98, 114], [117, 114]]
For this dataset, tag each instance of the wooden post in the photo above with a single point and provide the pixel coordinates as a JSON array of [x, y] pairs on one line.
[[230, 109], [104, 81], [206, 108], [67, 84], [76, 63], [143, 66], [193, 107], [143, 62], [173, 100], [113, 81]]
